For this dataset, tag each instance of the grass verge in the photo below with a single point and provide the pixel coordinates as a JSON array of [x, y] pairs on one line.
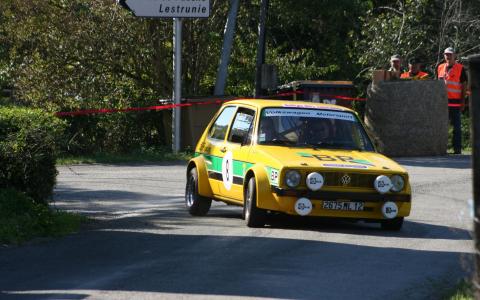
[[463, 291], [465, 151], [135, 157], [21, 219]]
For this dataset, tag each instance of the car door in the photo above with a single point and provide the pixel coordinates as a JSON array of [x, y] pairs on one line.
[[236, 150], [214, 147]]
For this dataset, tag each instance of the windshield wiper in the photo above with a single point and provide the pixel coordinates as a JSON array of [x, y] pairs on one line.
[[330, 145], [278, 142], [313, 145]]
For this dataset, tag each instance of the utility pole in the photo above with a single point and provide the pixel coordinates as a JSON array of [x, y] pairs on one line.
[[261, 47], [474, 76], [228, 36]]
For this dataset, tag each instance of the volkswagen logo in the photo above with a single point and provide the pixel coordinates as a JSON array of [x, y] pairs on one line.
[[346, 179]]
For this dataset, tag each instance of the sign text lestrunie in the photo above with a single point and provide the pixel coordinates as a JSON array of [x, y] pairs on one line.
[[172, 9], [168, 8]]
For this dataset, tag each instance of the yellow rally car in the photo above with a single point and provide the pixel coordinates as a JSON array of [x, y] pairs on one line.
[[298, 158]]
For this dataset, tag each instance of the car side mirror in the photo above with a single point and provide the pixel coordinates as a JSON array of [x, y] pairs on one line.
[[245, 140]]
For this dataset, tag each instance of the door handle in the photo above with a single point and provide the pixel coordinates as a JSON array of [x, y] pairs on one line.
[[224, 149]]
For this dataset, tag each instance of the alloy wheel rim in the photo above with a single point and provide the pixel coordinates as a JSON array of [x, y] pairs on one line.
[[249, 201], [190, 192]]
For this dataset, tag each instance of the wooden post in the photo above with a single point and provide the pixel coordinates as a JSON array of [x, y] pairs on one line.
[[261, 47], [474, 76]]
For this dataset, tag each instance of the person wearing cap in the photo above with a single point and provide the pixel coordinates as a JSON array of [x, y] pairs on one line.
[[414, 71], [395, 63], [455, 78]]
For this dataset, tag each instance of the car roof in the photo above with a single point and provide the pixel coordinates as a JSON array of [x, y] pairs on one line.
[[263, 103]]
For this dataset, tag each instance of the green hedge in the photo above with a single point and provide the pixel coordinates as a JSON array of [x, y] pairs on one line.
[[28, 139], [117, 133]]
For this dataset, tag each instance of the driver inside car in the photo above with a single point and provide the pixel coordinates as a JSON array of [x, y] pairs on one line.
[[317, 131], [267, 130]]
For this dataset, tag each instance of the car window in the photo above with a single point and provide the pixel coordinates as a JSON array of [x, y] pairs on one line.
[[218, 130], [311, 127], [241, 127]]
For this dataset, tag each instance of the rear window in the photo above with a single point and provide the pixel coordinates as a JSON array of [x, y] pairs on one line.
[[219, 129]]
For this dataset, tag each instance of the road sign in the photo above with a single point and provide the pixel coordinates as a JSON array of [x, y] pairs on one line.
[[168, 8], [176, 9]]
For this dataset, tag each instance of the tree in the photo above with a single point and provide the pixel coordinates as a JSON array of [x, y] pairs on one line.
[[311, 39], [71, 54], [420, 28]]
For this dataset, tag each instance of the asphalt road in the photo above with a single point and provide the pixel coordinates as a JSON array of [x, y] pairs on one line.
[[143, 245]]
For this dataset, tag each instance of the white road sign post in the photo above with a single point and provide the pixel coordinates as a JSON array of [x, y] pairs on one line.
[[176, 9], [177, 84]]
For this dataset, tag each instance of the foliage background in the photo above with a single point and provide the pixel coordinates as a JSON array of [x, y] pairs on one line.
[[62, 55]]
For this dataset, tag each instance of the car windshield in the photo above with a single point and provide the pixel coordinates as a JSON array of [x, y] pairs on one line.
[[310, 127]]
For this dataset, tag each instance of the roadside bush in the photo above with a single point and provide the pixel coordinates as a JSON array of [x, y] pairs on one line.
[[466, 141], [117, 133], [28, 144], [22, 219]]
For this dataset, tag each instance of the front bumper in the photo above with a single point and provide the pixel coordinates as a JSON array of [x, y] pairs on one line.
[[352, 196], [283, 200]]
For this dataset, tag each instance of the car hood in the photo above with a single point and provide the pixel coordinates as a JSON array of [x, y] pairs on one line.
[[282, 156]]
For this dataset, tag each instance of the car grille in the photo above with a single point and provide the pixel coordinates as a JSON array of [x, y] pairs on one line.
[[340, 179]]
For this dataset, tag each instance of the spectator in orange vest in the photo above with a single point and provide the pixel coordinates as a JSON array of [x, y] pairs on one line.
[[414, 71], [455, 78]]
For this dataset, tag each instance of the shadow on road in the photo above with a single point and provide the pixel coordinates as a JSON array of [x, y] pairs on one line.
[[410, 229], [168, 213], [217, 265], [43, 295], [144, 243], [140, 253], [448, 161]]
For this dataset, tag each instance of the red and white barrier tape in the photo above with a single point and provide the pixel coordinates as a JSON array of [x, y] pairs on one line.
[[115, 110], [171, 106]]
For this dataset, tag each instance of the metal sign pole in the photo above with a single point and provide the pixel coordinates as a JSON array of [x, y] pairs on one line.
[[177, 83], [474, 76]]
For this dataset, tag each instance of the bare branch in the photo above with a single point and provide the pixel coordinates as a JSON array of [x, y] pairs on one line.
[[390, 8]]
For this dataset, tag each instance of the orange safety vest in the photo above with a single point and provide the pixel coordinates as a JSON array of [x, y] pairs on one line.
[[452, 80], [419, 75]]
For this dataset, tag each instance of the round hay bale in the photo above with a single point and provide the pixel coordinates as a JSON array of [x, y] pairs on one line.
[[408, 118]]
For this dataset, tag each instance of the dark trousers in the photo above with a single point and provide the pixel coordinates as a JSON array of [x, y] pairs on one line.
[[454, 114]]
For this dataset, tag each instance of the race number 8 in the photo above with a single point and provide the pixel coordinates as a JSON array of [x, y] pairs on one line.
[[227, 170]]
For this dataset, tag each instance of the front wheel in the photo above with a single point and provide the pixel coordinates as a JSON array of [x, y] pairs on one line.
[[254, 216], [393, 224], [196, 204]]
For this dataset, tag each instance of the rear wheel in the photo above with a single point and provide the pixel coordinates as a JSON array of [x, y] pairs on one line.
[[196, 205], [254, 216], [393, 224]]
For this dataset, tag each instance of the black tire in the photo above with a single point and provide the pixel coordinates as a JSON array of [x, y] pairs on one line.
[[254, 216], [393, 224], [196, 204]]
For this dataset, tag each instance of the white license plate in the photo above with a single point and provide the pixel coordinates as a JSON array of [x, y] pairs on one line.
[[337, 205]]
